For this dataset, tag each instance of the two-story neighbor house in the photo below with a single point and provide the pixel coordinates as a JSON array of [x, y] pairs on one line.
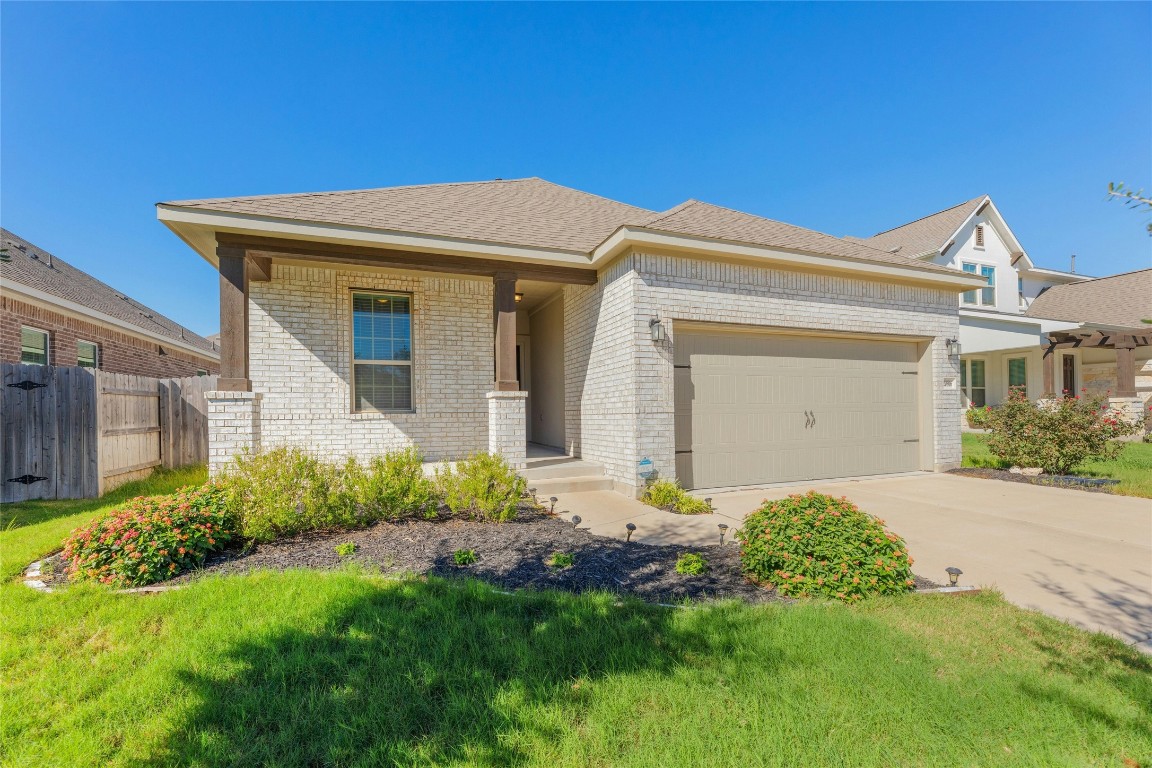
[[1005, 342]]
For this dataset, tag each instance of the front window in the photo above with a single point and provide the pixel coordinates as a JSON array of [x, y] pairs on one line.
[[984, 296], [87, 354], [1018, 373], [972, 382], [381, 352], [33, 346]]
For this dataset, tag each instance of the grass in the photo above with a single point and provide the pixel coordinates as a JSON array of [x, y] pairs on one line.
[[1133, 467], [348, 668]]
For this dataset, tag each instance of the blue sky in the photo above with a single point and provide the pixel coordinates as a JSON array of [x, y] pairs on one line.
[[846, 118]]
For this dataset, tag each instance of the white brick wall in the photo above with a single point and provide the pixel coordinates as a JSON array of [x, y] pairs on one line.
[[620, 383], [300, 342], [507, 426], [233, 427]]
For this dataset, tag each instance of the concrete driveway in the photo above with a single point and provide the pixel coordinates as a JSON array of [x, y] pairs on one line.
[[1082, 557]]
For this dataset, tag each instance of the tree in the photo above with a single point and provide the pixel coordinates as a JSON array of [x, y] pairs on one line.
[[1133, 199]]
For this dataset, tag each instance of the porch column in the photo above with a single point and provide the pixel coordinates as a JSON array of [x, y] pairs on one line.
[[1125, 369], [507, 405], [233, 320], [1049, 372]]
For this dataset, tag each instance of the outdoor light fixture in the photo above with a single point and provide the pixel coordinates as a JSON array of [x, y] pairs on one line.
[[533, 492], [657, 329], [723, 530], [519, 297], [953, 347], [552, 509], [631, 529], [575, 521], [953, 575], [708, 501]]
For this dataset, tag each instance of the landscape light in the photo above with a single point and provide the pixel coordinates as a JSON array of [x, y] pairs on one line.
[[953, 575], [723, 530], [631, 529], [575, 521]]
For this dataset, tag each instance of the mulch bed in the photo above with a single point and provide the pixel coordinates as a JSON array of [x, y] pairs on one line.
[[511, 555], [1052, 481]]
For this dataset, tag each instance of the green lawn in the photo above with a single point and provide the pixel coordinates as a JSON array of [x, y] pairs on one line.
[[349, 668], [1133, 467]]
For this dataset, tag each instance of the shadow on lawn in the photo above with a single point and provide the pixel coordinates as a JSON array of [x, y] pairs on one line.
[[424, 672]]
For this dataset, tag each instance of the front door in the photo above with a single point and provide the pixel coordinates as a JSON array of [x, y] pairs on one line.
[[1068, 368]]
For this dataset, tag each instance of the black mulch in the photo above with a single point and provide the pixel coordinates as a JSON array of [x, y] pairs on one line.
[[1090, 484], [511, 555]]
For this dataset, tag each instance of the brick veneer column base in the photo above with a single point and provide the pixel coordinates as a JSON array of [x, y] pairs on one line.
[[233, 427], [508, 427]]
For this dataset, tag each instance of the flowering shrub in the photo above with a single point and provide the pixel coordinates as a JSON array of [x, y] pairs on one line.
[[978, 417], [668, 495], [1056, 436], [819, 545], [151, 538]]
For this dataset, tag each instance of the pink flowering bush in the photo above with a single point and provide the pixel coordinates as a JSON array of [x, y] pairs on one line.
[[150, 538], [1058, 435], [819, 545], [978, 416]]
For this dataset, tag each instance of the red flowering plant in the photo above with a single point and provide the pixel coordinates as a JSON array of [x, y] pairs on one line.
[[819, 545], [1057, 435], [151, 538]]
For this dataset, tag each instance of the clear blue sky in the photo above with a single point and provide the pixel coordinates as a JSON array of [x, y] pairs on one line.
[[848, 119]]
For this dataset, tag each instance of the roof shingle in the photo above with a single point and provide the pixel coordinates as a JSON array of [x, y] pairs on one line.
[[27, 265], [925, 235], [1123, 300]]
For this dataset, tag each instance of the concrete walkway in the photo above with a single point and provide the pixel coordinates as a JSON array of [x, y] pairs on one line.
[[1082, 557]]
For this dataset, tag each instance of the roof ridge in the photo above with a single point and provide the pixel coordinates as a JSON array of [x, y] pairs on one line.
[[661, 215], [352, 191], [922, 218]]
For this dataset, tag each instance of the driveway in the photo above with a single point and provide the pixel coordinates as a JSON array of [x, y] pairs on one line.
[[1082, 557]]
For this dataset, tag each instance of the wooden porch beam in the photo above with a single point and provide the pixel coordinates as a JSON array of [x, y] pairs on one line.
[[1049, 372], [504, 304], [233, 320], [391, 258], [259, 269], [1126, 370]]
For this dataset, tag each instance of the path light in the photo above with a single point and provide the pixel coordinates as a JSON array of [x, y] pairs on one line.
[[552, 509], [723, 530], [533, 492], [575, 520], [953, 575], [708, 501], [631, 529]]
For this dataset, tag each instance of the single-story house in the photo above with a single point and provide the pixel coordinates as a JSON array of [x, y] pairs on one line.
[[700, 342], [52, 313]]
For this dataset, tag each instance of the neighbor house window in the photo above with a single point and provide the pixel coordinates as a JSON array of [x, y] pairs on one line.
[[33, 346], [1018, 374], [984, 296], [381, 352], [87, 354], [979, 235], [972, 382]]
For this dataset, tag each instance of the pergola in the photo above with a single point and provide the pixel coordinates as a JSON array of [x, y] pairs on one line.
[[1124, 341]]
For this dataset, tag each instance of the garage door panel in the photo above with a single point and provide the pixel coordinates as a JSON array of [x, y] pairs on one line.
[[750, 398]]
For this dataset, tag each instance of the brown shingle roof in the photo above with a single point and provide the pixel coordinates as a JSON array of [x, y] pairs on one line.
[[924, 235], [536, 213], [528, 212], [706, 220], [1123, 300], [27, 265]]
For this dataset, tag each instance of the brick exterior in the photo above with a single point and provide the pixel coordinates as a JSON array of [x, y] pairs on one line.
[[233, 427], [119, 351], [507, 426]]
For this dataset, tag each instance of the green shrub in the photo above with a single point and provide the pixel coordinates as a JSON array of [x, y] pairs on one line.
[[561, 560], [819, 545], [482, 486], [1056, 436], [978, 416], [691, 564], [286, 491], [668, 495], [464, 556], [151, 538], [394, 485], [346, 548]]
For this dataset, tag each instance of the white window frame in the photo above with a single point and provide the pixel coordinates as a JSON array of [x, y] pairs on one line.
[[966, 379], [95, 356], [1008, 386], [47, 344], [352, 293], [978, 293]]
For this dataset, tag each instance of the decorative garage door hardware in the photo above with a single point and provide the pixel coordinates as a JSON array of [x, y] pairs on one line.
[[27, 385], [809, 419], [26, 479]]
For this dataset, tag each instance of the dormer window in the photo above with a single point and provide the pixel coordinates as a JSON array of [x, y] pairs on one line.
[[979, 235]]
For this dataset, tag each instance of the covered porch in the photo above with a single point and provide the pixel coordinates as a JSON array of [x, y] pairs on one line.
[[1130, 349]]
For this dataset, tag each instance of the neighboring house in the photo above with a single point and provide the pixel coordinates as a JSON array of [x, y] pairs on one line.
[[53, 314], [699, 342], [1004, 330]]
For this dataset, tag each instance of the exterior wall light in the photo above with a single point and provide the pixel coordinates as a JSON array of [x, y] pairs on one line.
[[657, 329], [953, 347], [953, 575], [519, 297]]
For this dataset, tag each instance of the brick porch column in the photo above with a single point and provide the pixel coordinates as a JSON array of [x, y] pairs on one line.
[[508, 427], [233, 427]]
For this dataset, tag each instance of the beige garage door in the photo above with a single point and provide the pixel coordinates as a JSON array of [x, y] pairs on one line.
[[754, 408]]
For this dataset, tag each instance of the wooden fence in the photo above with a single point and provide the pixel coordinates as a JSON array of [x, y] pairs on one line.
[[73, 433]]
